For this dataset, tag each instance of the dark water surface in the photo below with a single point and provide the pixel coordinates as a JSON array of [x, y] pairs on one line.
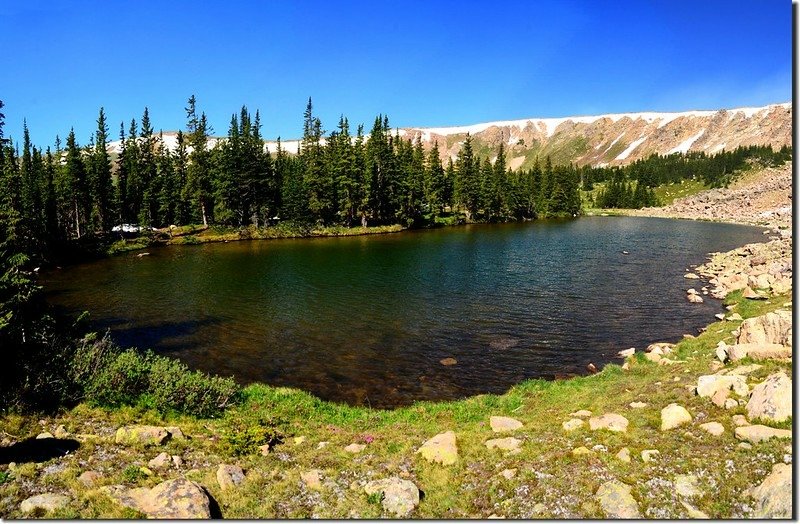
[[367, 319]]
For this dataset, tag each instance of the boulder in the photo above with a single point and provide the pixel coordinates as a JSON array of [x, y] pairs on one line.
[[504, 424], [505, 444], [46, 501], [758, 351], [773, 497], [161, 460], [146, 435], [229, 476], [400, 496], [759, 433], [610, 422], [616, 500], [774, 327], [714, 428], [172, 499], [674, 416], [582, 413], [441, 449], [772, 399], [708, 385], [572, 424]]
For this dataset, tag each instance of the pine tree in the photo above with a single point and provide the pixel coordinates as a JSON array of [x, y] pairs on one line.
[[77, 185], [467, 182], [434, 183], [198, 181], [101, 184]]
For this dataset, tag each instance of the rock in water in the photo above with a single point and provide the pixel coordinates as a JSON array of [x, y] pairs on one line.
[[673, 416], [774, 495], [45, 501], [229, 476], [772, 399], [449, 361], [616, 500], [503, 424], [400, 496], [172, 499], [441, 449]]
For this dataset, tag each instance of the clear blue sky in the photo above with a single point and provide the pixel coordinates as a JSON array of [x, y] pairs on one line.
[[423, 63]]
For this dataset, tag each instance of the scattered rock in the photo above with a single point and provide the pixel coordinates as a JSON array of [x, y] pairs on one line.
[[625, 353], [583, 413], [311, 479], [400, 496], [322, 444], [745, 370], [609, 421], [720, 397], [581, 450], [693, 512], [735, 317], [714, 428], [591, 368], [449, 361], [691, 276], [505, 444], [694, 299], [708, 385], [773, 496], [175, 433], [739, 420], [650, 454], [771, 328], [44, 435], [441, 449], [146, 435], [624, 455], [264, 450], [720, 316], [61, 432], [229, 476], [731, 403], [299, 440], [161, 460], [772, 399], [687, 486], [90, 478], [745, 445], [509, 474], [45, 501], [172, 499], [758, 351], [673, 416], [638, 405], [758, 433], [752, 295], [616, 500], [356, 448], [503, 424], [177, 461], [572, 424]]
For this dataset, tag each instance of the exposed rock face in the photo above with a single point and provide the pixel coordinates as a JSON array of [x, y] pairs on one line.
[[45, 501], [773, 496], [172, 499], [616, 500], [674, 416], [146, 435], [772, 399], [503, 424], [400, 496], [610, 422], [441, 449]]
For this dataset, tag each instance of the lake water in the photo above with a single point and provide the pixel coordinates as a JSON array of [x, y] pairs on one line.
[[366, 320]]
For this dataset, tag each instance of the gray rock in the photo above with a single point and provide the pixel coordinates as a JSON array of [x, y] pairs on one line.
[[400, 496], [172, 499], [773, 496], [161, 460], [46, 501], [504, 424], [616, 500], [441, 449], [229, 476], [610, 422], [505, 444], [772, 399], [146, 435]]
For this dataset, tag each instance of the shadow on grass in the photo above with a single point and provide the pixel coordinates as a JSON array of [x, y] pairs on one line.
[[37, 450]]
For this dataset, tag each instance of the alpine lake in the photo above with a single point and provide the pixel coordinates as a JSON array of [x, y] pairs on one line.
[[367, 320]]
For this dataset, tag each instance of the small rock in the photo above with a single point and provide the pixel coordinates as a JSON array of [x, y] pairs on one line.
[[509, 474], [441, 449], [687, 486], [583, 413], [758, 433], [504, 424], [745, 445], [44, 435], [45, 501], [731, 403], [572, 424], [624, 455], [159, 461], [322, 444], [311, 479], [739, 420], [638, 405], [693, 512], [720, 316], [355, 448], [735, 317], [649, 454], [90, 478], [61, 432], [591, 368], [610, 422], [616, 500], [177, 461], [694, 299], [708, 385], [146, 435], [175, 433], [691, 276], [626, 366], [625, 353], [773, 496], [674, 416], [264, 450], [449, 361], [400, 496], [229, 476], [714, 428], [581, 450], [299, 440], [505, 444], [720, 397], [752, 295]]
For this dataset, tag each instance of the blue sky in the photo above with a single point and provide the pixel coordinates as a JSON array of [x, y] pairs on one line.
[[423, 63]]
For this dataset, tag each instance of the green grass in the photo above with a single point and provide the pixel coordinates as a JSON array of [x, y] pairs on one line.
[[668, 193]]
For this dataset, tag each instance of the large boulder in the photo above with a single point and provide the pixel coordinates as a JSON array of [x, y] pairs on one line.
[[771, 328], [441, 449], [758, 351], [172, 499], [709, 385], [616, 500], [772, 399], [773, 496], [400, 496]]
